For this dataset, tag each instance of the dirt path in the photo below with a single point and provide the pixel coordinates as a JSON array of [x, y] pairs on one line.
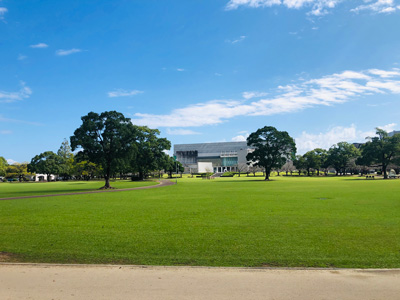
[[160, 184], [27, 281]]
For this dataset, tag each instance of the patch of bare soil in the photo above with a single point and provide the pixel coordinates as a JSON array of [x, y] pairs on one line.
[[8, 257]]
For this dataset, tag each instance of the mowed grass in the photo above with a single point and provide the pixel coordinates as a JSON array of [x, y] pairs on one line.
[[287, 222], [19, 189]]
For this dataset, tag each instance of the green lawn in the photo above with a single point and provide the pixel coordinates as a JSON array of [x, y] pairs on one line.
[[16, 189], [291, 222]]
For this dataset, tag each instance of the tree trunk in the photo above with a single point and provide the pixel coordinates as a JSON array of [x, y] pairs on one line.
[[384, 169], [266, 176], [107, 184]]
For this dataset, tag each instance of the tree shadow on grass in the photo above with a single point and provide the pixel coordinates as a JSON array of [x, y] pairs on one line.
[[244, 181]]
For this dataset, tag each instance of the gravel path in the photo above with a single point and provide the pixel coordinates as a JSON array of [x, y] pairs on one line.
[[160, 184], [43, 281]]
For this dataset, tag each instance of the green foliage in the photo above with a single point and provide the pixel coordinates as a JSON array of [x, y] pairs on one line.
[[17, 170], [108, 140], [87, 170], [380, 150], [3, 166], [339, 156], [272, 148], [46, 163], [66, 158], [150, 154], [314, 159], [228, 174], [172, 166]]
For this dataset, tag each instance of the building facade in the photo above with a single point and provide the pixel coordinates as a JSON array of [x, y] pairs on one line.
[[225, 156]]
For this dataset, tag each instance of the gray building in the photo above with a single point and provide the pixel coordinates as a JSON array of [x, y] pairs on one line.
[[226, 156]]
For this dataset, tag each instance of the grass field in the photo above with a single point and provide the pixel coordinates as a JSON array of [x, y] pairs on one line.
[[17, 189], [291, 222]]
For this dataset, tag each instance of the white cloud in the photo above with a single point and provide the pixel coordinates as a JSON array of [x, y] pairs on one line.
[[318, 7], [326, 91], [3, 11], [61, 52], [240, 138], [181, 132], [22, 57], [308, 141], [5, 132], [23, 93], [40, 45], [180, 70], [250, 95], [123, 93], [11, 161], [217, 74], [238, 40], [380, 6]]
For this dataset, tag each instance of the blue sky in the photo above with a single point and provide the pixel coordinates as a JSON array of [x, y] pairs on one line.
[[200, 71]]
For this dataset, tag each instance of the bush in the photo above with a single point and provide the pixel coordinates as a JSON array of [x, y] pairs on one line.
[[228, 174]]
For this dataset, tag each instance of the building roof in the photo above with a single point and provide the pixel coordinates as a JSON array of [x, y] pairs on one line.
[[212, 147]]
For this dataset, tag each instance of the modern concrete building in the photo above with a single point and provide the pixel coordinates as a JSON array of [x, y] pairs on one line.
[[226, 156]]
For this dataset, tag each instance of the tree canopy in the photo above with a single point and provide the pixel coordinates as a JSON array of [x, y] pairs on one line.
[[340, 154], [3, 166], [272, 148], [381, 150], [45, 163], [107, 139]]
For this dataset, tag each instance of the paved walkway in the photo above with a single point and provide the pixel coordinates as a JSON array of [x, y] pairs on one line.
[[28, 281], [160, 184]]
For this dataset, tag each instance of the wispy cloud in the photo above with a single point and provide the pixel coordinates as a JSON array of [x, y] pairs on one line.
[[123, 93], [22, 57], [61, 52], [180, 70], [11, 161], [40, 45], [179, 131], [318, 7], [325, 91], [23, 93], [380, 6], [8, 120], [238, 40], [309, 141], [250, 95], [5, 132], [3, 11]]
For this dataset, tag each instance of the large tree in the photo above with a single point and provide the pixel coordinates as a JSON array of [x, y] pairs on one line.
[[3, 166], [45, 163], [380, 150], [272, 148], [17, 170], [340, 155], [314, 159], [67, 160], [150, 155], [106, 139]]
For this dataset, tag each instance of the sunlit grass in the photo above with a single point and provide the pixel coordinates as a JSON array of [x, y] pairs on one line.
[[312, 222]]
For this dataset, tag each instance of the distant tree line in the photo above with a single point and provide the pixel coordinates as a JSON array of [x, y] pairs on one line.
[[381, 152], [108, 145]]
